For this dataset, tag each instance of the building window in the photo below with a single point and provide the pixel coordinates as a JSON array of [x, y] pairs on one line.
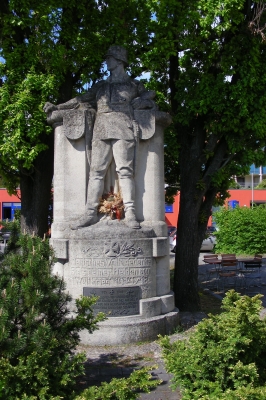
[[256, 180], [241, 181], [169, 208]]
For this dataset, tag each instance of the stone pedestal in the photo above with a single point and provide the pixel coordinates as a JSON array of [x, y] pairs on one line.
[[128, 269]]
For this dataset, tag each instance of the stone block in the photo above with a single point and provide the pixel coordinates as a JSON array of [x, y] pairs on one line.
[[150, 307], [160, 246], [60, 247], [167, 303]]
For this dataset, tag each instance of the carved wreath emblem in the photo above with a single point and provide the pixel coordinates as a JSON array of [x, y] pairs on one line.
[[116, 249]]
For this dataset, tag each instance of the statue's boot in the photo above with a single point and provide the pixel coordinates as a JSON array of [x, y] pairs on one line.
[[128, 194], [90, 217], [130, 219], [86, 220]]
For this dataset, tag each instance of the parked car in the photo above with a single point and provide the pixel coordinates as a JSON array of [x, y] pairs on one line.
[[211, 230], [4, 235], [172, 239], [208, 244], [171, 229]]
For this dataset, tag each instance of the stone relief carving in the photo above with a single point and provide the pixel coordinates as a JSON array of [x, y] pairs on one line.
[[113, 250]]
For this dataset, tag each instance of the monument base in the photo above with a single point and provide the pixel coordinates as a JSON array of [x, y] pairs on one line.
[[128, 270], [126, 330]]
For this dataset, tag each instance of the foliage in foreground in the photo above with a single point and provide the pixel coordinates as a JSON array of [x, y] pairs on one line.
[[225, 357], [242, 230], [122, 389], [37, 335]]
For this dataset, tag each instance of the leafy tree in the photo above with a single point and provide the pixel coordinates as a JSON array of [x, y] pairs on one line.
[[242, 230], [224, 358], [50, 51], [209, 55]]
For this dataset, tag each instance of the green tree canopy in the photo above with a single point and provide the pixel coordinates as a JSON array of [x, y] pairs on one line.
[[209, 60]]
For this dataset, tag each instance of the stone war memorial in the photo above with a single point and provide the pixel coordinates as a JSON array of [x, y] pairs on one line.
[[109, 232]]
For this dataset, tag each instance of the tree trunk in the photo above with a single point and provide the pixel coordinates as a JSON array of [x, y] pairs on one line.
[[186, 260], [197, 195], [36, 191]]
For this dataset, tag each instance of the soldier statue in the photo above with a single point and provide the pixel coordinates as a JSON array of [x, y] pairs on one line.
[[115, 133]]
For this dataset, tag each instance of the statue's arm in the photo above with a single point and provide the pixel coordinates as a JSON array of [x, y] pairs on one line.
[[144, 99], [88, 97]]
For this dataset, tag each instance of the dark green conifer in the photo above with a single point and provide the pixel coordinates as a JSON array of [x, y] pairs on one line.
[[37, 334]]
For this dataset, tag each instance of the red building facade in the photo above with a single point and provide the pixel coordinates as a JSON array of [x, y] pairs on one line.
[[241, 197], [8, 204]]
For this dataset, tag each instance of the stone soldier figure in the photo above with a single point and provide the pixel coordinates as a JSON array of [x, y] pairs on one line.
[[114, 134]]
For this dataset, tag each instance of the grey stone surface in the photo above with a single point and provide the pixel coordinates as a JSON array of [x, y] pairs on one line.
[[167, 303], [111, 140], [160, 247], [60, 247], [131, 329], [150, 307]]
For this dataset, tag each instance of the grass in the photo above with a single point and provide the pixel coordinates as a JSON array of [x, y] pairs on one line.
[[209, 304]]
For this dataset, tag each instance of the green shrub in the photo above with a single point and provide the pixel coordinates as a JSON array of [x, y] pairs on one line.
[[37, 337], [241, 230], [122, 389], [225, 357]]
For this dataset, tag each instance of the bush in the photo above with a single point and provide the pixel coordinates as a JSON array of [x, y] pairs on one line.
[[37, 335], [242, 230], [123, 388], [225, 357]]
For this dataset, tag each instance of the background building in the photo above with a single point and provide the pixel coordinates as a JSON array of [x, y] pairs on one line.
[[244, 196], [8, 204]]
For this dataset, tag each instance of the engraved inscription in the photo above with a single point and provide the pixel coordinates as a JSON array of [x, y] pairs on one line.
[[115, 301], [111, 272]]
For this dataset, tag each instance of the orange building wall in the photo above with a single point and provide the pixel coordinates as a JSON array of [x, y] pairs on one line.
[[244, 197], [6, 198], [171, 218]]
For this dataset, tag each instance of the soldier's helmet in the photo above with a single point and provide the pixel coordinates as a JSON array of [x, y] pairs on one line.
[[118, 52]]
